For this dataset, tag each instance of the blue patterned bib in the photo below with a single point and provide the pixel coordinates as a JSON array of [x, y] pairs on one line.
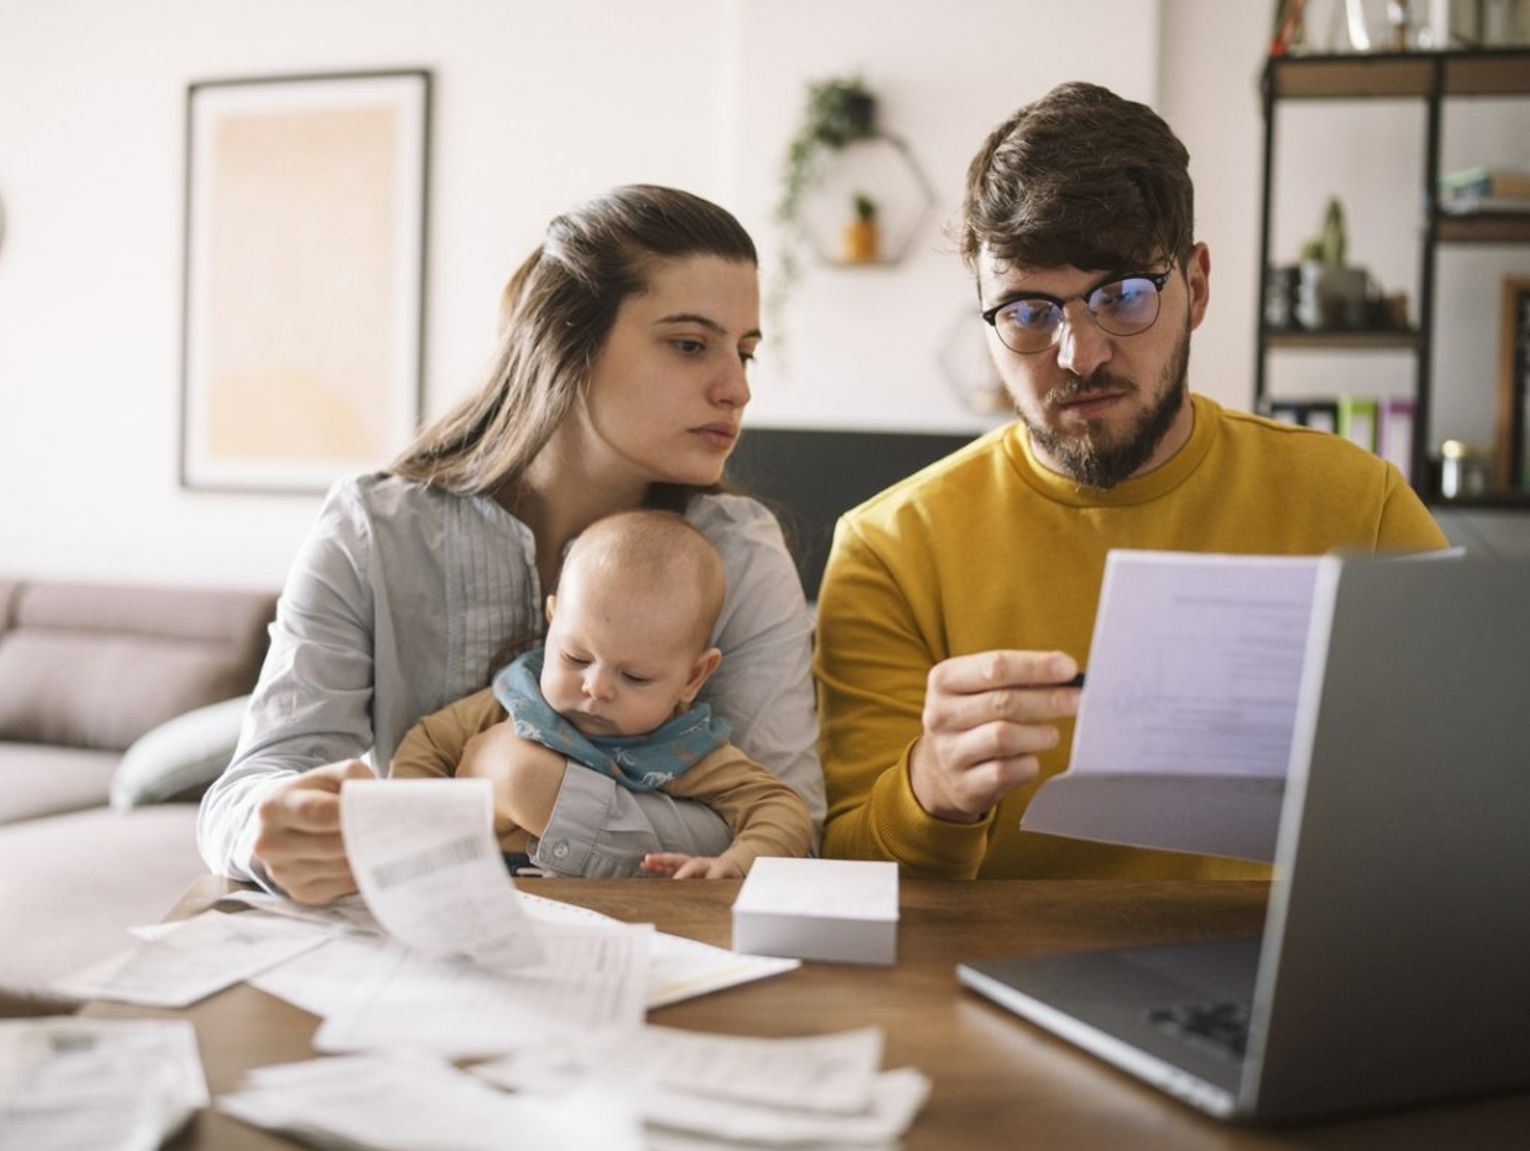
[[637, 762]]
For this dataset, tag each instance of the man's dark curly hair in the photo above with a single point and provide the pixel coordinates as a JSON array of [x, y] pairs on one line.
[[1082, 178]]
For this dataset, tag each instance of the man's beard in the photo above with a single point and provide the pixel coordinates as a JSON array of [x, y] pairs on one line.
[[1088, 456]]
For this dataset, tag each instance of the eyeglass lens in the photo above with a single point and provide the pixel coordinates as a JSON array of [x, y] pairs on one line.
[[1122, 308]]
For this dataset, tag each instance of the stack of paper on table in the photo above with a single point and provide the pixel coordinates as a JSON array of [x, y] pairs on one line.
[[467, 966], [697, 1090], [838, 910], [543, 980], [657, 1089]]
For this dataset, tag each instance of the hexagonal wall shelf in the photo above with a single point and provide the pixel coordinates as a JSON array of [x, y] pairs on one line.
[[878, 169], [967, 367]]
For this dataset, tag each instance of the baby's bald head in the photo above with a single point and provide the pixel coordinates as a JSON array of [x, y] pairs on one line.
[[653, 555]]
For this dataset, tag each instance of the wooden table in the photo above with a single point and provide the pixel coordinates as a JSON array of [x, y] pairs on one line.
[[998, 1082]]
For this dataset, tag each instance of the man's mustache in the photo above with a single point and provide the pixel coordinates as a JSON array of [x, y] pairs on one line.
[[1074, 386]]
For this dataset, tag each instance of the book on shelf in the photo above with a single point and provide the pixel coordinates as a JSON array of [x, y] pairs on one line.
[[1395, 434], [1484, 205], [1474, 190], [1321, 415], [1381, 426], [1357, 420], [1505, 183]]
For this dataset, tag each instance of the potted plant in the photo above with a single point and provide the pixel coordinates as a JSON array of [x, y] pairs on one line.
[[838, 111], [1331, 294], [862, 241]]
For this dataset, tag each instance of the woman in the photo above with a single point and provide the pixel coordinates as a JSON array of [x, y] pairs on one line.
[[619, 381]]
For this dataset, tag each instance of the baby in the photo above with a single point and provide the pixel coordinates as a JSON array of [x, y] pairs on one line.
[[628, 648]]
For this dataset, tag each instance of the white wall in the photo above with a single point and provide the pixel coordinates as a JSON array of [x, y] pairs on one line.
[[537, 103], [862, 345]]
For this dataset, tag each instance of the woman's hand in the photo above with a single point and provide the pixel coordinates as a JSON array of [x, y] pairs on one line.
[[299, 843], [986, 717], [525, 776], [678, 865]]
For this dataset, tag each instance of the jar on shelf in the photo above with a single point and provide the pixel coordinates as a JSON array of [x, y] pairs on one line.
[[1465, 469]]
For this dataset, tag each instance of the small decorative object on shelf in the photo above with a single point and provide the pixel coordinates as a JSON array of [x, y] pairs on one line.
[[1290, 32], [1465, 469], [1331, 294], [862, 240]]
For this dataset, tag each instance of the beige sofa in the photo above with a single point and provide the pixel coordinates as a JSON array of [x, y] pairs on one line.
[[117, 706]]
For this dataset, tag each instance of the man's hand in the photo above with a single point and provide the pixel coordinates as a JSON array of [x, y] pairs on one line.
[[526, 777], [678, 865], [985, 720], [299, 843]]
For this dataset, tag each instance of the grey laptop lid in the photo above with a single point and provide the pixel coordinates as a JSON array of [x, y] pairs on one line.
[[1393, 967]]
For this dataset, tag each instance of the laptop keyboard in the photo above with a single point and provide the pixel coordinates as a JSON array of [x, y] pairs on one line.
[[1220, 1029]]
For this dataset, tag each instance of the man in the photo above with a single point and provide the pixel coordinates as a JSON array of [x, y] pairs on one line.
[[958, 604]]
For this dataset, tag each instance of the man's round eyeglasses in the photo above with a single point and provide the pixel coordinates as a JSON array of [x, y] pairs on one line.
[[1120, 306]]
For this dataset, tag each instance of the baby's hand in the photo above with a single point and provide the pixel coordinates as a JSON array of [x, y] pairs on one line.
[[678, 865]]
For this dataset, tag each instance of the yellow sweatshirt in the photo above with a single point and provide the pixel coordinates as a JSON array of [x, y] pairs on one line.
[[987, 549]]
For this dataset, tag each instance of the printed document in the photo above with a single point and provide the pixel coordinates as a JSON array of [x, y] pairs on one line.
[[404, 1101], [1195, 664], [594, 980], [69, 1084], [189, 960], [1185, 726], [427, 863]]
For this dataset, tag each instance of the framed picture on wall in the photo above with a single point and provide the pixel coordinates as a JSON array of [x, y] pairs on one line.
[[1511, 451], [304, 277]]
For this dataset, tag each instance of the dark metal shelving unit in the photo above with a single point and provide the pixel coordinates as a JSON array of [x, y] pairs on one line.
[[1430, 77]]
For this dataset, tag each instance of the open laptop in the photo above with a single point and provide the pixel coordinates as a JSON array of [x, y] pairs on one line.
[[1394, 966]]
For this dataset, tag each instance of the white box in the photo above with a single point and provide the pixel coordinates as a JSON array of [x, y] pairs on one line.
[[840, 910]]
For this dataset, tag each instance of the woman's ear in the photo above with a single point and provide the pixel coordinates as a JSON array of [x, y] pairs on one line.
[[706, 663]]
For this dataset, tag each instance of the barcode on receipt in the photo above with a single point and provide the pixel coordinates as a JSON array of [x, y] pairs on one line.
[[442, 855]]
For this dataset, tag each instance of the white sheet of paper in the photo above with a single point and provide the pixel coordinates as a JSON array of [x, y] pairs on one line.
[[679, 968], [427, 863], [1195, 664], [334, 977], [348, 913], [1185, 727], [682, 968], [593, 979], [833, 1074], [897, 1097], [194, 958], [69, 1084], [410, 1102]]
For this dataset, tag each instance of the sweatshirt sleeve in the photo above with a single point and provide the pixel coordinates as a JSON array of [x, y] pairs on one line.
[[434, 746], [872, 664], [313, 704], [766, 816], [1406, 525]]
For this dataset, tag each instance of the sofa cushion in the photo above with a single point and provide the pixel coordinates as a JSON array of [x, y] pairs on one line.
[[98, 666], [93, 874], [38, 780], [180, 758]]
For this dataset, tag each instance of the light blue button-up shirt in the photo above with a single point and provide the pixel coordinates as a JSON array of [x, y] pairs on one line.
[[398, 603]]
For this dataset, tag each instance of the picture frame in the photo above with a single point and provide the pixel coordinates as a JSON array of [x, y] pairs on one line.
[[304, 279], [1511, 452]]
